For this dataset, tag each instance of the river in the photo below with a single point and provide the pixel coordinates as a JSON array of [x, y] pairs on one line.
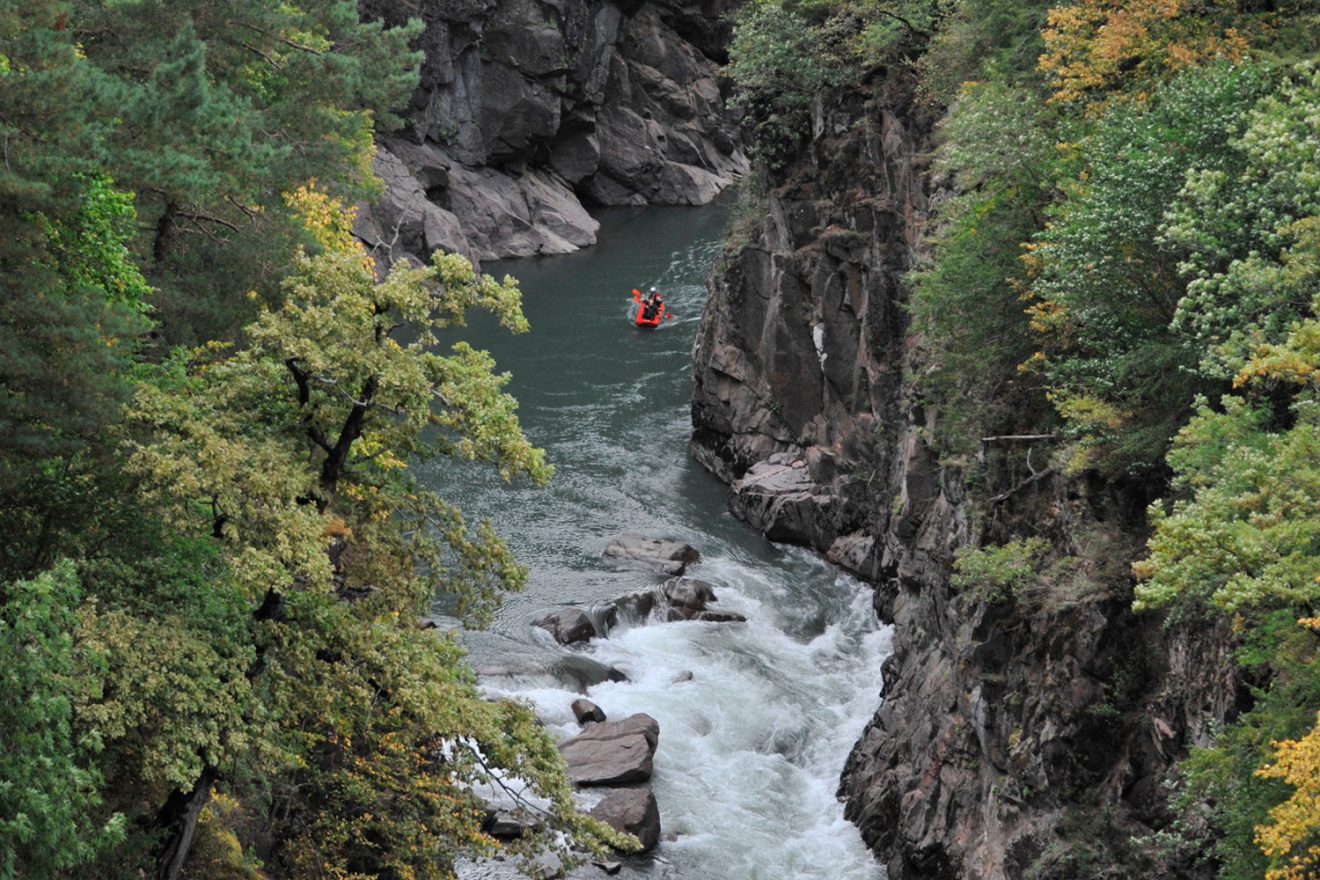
[[751, 748]]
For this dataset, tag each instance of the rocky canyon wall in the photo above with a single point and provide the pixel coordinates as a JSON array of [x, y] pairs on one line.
[[1019, 735], [529, 110]]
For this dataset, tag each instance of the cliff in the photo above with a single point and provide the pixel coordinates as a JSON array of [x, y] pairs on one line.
[[530, 110], [1022, 733]]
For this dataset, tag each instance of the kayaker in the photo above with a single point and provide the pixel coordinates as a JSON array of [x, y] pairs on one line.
[[653, 306]]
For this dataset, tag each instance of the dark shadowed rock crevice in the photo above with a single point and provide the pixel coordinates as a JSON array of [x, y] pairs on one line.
[[530, 109]]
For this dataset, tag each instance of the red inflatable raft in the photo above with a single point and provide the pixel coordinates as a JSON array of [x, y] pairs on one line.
[[649, 314]]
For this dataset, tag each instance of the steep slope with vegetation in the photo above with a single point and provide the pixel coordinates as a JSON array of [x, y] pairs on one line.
[[212, 556], [1020, 326]]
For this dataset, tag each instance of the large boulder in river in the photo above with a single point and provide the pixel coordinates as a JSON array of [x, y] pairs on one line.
[[632, 810], [634, 550], [613, 753], [568, 625]]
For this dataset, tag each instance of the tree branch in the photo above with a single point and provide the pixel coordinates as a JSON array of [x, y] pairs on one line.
[[277, 37], [333, 467], [1006, 438], [903, 21], [300, 378], [1004, 496]]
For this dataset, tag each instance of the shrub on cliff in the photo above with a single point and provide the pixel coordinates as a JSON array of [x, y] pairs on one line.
[[785, 55]]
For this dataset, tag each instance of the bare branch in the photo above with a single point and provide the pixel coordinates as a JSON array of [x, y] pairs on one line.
[[1004, 496], [277, 37], [1011, 438]]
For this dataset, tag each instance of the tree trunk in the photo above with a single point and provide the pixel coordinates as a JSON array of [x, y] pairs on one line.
[[178, 818], [164, 232]]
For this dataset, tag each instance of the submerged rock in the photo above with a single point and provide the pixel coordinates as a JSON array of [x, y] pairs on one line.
[[634, 550], [633, 810], [613, 753]]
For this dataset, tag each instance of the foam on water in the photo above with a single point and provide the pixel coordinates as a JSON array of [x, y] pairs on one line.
[[750, 748]]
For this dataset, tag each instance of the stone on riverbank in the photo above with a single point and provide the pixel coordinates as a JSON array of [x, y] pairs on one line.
[[633, 810]]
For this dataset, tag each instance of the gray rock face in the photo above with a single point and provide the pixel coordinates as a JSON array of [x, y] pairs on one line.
[[781, 498], [612, 753], [634, 811], [997, 713], [633, 550], [528, 107], [502, 825]]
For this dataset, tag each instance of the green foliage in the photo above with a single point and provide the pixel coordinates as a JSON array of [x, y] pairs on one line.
[[174, 695], [290, 456], [1242, 540], [393, 746], [786, 55], [326, 374], [76, 304], [1222, 779], [1250, 233], [48, 783], [1248, 536], [776, 63], [993, 41], [1108, 286], [218, 108], [968, 303], [1000, 574], [251, 554]]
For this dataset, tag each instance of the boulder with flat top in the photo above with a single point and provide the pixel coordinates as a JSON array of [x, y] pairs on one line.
[[635, 550], [612, 753]]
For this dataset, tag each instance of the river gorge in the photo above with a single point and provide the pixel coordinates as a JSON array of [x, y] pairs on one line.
[[751, 746]]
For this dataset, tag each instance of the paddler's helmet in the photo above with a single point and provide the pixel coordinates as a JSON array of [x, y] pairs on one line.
[[653, 290]]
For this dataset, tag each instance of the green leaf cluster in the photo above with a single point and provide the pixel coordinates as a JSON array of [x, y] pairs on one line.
[[1109, 285], [1002, 573], [49, 785], [786, 55]]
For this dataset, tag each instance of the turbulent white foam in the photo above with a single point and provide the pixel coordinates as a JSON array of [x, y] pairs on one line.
[[751, 748]]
